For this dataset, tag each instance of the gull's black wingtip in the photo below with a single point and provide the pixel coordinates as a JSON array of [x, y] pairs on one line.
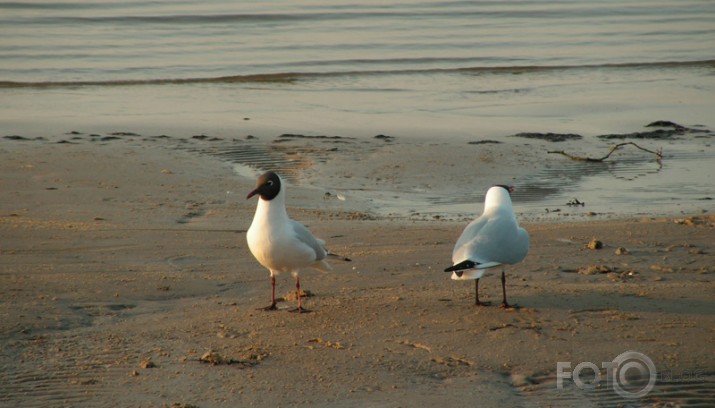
[[461, 266]]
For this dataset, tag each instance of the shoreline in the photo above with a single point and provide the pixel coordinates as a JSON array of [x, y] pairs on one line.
[[388, 176], [121, 279]]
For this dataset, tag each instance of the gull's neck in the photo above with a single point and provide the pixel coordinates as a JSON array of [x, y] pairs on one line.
[[273, 210]]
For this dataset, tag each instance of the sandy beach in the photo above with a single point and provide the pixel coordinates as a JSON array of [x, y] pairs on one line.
[[125, 280]]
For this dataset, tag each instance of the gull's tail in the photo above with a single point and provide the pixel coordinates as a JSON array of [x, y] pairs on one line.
[[338, 257], [323, 265]]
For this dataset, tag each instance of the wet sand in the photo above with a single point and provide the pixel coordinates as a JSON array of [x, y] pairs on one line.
[[122, 265]]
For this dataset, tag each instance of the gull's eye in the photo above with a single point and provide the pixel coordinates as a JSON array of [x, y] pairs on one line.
[[269, 182]]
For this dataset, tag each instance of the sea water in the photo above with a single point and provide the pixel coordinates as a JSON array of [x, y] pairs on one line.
[[453, 71]]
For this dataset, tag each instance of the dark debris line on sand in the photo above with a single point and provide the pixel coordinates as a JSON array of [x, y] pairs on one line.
[[21, 138], [551, 137], [487, 141], [667, 130]]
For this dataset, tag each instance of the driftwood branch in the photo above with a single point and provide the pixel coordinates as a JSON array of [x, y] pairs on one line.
[[658, 154]]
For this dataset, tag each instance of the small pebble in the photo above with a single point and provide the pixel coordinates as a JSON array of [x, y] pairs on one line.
[[595, 244], [147, 364]]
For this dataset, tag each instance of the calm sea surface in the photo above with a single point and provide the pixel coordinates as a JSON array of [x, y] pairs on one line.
[[113, 41]]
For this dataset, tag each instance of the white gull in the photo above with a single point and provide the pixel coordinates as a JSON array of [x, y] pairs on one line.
[[493, 239]]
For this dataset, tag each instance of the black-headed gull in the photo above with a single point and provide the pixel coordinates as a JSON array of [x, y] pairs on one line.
[[493, 239], [280, 243]]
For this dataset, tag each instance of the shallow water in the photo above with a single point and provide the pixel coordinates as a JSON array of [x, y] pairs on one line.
[[448, 70], [631, 182]]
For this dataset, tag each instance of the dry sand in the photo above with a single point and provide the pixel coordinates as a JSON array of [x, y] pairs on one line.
[[122, 266]]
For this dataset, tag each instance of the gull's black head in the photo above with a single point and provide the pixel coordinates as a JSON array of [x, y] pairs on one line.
[[268, 186]]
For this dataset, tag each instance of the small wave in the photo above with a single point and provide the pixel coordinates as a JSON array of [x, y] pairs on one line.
[[291, 77], [331, 13], [189, 18], [278, 78], [239, 18]]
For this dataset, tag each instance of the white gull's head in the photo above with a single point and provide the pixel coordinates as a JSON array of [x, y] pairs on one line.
[[498, 197]]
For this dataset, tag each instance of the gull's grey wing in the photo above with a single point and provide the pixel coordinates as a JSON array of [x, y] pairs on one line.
[[494, 240], [306, 237], [470, 231]]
